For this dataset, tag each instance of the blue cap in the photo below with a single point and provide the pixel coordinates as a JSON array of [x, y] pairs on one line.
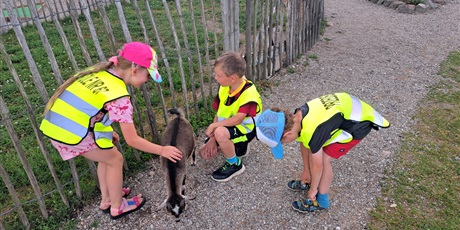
[[269, 129]]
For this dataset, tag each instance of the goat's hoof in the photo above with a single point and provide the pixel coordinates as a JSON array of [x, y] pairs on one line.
[[190, 197]]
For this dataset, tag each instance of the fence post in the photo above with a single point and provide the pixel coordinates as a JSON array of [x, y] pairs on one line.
[[178, 50], [14, 196], [17, 146], [216, 48], [92, 29], [206, 46], [34, 122], [224, 5], [108, 26], [25, 48], [166, 63], [248, 41], [198, 55], [81, 40]]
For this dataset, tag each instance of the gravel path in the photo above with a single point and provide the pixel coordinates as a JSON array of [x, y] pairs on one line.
[[383, 57]]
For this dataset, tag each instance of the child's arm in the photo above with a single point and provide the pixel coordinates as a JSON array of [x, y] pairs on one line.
[[132, 139], [316, 170], [306, 153], [232, 121]]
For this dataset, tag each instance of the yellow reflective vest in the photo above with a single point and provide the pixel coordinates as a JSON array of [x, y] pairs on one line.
[[325, 107], [68, 120], [249, 94]]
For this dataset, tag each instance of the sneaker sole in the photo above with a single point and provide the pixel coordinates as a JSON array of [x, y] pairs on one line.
[[230, 177]]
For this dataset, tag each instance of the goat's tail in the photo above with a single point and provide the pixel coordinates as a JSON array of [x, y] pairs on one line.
[[175, 111], [177, 121]]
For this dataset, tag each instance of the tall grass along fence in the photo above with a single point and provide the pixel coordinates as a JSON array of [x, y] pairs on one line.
[[42, 42]]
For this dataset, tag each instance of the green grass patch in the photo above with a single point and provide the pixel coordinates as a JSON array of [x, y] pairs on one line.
[[60, 215], [425, 181]]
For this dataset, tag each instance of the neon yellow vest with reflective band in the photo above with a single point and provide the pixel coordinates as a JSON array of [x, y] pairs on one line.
[[226, 111], [68, 120], [323, 108]]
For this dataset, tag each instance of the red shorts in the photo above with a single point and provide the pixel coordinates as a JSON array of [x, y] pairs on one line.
[[336, 150]]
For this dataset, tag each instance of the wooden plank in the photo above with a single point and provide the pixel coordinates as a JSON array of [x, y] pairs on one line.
[[46, 44], [31, 115], [22, 156], [92, 30], [14, 196], [206, 47], [165, 62], [198, 56], [189, 58], [178, 50], [248, 44], [30, 61], [78, 32]]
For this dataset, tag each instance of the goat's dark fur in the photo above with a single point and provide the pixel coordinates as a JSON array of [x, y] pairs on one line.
[[178, 133]]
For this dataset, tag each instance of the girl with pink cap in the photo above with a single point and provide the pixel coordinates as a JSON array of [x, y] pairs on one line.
[[79, 115]]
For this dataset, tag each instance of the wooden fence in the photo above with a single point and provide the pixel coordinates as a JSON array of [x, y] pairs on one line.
[[187, 36]]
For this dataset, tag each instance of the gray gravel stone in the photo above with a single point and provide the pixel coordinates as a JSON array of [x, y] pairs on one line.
[[385, 58]]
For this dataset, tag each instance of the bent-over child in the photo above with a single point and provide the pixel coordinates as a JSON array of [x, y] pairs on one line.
[[327, 128]]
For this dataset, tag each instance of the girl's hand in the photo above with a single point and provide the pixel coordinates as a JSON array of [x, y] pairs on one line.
[[171, 153], [115, 137]]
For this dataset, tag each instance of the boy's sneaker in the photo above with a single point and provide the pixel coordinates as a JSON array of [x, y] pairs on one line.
[[242, 149], [227, 172], [296, 185], [306, 205]]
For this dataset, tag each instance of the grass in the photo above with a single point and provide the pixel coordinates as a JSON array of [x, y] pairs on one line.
[[424, 183], [60, 216]]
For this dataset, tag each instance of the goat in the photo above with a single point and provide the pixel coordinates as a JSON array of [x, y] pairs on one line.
[[178, 133]]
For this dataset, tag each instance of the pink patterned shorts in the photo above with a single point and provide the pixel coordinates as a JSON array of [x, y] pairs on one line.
[[120, 110]]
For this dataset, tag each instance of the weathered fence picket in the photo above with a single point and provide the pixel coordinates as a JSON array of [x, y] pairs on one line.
[[276, 33]]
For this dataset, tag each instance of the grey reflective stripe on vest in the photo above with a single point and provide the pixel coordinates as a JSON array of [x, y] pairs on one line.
[[356, 112], [378, 119], [341, 137], [71, 126], [246, 121], [100, 135], [77, 102], [105, 120], [356, 109]]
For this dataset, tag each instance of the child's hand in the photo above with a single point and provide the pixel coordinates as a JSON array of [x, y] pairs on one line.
[[210, 130], [209, 149], [312, 194], [171, 153], [115, 137], [305, 177]]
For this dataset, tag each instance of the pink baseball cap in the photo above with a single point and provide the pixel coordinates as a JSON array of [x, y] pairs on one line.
[[142, 54]]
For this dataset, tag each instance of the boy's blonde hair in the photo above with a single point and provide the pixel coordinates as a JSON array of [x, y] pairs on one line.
[[288, 118], [122, 63], [231, 63]]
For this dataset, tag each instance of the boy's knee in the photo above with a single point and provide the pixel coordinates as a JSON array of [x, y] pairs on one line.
[[221, 134]]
